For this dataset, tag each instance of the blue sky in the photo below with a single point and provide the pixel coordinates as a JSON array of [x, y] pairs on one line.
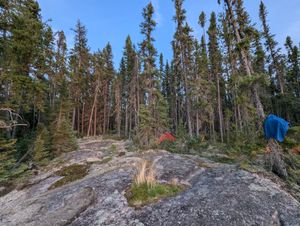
[[112, 20]]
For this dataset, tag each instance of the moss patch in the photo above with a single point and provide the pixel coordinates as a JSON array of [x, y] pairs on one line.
[[143, 194], [70, 174]]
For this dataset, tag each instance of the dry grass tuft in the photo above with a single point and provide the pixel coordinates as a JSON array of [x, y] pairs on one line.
[[145, 174]]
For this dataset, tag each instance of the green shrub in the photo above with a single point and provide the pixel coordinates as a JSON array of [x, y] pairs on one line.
[[41, 145], [170, 146], [64, 139]]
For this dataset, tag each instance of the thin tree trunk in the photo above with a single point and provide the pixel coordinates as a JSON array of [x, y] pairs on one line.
[[90, 120], [220, 109], [126, 120], [95, 119], [197, 124], [73, 118], [212, 125], [188, 104], [105, 111], [93, 108], [78, 120], [82, 118]]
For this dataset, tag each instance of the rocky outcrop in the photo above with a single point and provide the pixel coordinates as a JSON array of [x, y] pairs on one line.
[[215, 194]]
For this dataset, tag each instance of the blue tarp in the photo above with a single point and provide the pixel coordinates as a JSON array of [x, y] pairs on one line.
[[275, 128]]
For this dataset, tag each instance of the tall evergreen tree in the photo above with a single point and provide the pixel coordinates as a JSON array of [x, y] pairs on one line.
[[242, 33], [182, 48], [271, 45], [153, 113], [79, 65], [215, 59]]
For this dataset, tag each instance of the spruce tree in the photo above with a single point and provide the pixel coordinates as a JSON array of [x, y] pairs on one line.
[[153, 114], [243, 34], [271, 45], [79, 68], [182, 49], [215, 59]]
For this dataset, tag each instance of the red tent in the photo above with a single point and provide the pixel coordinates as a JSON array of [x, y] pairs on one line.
[[168, 137]]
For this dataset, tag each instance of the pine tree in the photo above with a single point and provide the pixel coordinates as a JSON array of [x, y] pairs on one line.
[[271, 46], [216, 66], [293, 67], [242, 33], [292, 100], [80, 64], [41, 145], [117, 103], [206, 87], [153, 114], [64, 139], [148, 52], [182, 48], [129, 70], [109, 73], [231, 66]]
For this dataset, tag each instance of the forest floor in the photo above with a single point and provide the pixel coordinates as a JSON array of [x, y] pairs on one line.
[[89, 187]]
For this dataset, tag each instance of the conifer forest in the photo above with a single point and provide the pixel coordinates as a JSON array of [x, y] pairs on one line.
[[217, 89]]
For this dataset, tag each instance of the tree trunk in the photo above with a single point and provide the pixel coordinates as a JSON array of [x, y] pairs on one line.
[[197, 124], [93, 109], [104, 113], [95, 119], [73, 118], [126, 120], [220, 109], [82, 118], [78, 120]]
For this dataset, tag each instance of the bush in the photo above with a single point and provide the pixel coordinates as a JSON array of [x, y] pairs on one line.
[[41, 145], [64, 139], [171, 146]]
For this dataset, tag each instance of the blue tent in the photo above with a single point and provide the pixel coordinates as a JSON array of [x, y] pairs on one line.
[[276, 128]]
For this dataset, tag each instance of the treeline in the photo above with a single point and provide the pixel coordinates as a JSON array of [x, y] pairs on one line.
[[218, 87]]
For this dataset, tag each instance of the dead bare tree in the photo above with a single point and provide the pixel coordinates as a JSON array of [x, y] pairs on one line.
[[12, 121], [273, 159]]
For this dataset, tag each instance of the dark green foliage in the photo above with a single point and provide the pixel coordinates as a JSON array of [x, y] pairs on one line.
[[7, 152], [42, 145], [154, 122], [24, 144], [293, 138], [64, 139], [170, 146]]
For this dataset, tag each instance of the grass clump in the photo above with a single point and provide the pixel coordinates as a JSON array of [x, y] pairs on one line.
[[70, 174], [143, 194], [146, 189], [113, 148]]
